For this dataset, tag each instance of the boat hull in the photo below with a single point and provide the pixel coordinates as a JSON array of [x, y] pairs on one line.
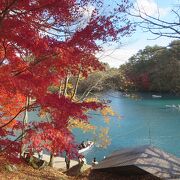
[[91, 143]]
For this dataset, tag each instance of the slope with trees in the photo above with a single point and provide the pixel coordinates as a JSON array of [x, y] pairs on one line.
[[153, 69], [156, 68]]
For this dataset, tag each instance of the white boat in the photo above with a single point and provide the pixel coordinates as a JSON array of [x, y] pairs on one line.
[[89, 144], [173, 106], [156, 96], [126, 95], [168, 106]]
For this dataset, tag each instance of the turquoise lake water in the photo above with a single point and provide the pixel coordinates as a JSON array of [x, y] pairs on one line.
[[144, 121]]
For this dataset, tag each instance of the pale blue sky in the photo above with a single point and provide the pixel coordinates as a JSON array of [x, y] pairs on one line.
[[117, 55]]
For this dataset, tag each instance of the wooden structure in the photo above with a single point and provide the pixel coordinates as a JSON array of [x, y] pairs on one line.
[[142, 160]]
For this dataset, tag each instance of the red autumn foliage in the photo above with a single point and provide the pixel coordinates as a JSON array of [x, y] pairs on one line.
[[145, 81], [39, 42]]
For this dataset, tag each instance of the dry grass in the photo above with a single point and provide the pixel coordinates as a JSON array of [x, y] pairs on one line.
[[26, 172]]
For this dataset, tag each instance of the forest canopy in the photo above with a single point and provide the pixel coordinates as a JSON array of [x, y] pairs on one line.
[[152, 69]]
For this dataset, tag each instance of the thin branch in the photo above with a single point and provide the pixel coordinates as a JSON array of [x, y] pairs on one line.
[[12, 118], [22, 109], [5, 11], [158, 26], [38, 60], [86, 93], [18, 138]]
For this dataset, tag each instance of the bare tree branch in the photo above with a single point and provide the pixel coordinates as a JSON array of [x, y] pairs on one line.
[[157, 25]]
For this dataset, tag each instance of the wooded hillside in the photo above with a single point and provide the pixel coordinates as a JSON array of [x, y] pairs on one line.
[[155, 69]]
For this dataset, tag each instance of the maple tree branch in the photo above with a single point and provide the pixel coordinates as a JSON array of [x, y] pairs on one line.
[[20, 136], [6, 10], [22, 109], [8, 7], [12, 118], [42, 58]]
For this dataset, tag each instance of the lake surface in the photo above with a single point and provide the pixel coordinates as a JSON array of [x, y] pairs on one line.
[[144, 121]]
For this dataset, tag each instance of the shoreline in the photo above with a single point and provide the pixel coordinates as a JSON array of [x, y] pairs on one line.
[[59, 162]]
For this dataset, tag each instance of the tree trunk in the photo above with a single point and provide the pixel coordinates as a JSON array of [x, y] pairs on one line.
[[65, 84], [51, 161], [25, 121], [76, 84], [60, 88]]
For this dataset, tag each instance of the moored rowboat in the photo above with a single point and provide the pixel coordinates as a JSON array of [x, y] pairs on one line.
[[156, 96], [89, 144]]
